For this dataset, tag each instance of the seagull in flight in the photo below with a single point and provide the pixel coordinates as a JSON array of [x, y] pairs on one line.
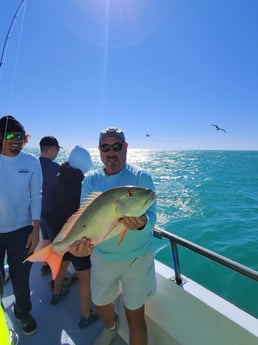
[[219, 128]]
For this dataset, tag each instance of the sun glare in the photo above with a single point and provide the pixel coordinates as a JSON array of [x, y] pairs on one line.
[[117, 22], [116, 8]]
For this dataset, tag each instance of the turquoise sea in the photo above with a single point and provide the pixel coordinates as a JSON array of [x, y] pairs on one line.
[[211, 199]]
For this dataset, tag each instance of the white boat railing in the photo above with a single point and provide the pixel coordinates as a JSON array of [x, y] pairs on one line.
[[175, 240]]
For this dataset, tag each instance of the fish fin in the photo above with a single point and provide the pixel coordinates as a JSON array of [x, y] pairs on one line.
[[46, 254], [117, 226], [89, 198], [67, 227], [122, 236]]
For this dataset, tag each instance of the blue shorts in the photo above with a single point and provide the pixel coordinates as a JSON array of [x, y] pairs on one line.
[[135, 278]]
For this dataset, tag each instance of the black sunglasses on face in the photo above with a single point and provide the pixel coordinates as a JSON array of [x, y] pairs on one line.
[[19, 136], [107, 147]]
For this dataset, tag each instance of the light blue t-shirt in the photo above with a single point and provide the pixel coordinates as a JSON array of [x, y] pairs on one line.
[[20, 191], [136, 243]]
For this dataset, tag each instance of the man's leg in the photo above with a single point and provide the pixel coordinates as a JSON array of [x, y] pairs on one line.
[[19, 271], [137, 326], [110, 331], [106, 313]]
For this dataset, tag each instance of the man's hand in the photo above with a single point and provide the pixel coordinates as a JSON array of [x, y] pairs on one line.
[[33, 238], [134, 223], [81, 248]]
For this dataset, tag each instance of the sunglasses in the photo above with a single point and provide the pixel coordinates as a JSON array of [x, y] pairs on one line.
[[107, 147], [19, 136]]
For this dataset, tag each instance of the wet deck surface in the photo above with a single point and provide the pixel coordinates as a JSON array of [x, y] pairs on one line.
[[56, 324]]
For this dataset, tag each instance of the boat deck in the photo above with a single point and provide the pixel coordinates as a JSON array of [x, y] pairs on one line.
[[56, 324]]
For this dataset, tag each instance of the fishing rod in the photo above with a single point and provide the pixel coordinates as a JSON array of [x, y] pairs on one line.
[[10, 30]]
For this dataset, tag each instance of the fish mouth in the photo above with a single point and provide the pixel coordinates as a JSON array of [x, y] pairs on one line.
[[152, 196]]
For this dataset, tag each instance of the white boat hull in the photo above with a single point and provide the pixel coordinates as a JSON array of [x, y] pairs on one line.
[[192, 315]]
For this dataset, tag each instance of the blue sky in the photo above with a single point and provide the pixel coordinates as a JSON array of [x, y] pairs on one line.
[[170, 68]]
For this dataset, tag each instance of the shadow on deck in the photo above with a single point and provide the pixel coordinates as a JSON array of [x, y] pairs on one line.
[[56, 324]]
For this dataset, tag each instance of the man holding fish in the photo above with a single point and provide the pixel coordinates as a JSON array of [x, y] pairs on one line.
[[129, 262], [117, 198]]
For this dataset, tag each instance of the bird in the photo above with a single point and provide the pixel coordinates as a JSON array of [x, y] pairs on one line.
[[147, 134], [219, 128]]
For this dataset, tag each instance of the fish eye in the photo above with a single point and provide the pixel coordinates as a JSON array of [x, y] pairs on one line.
[[130, 193]]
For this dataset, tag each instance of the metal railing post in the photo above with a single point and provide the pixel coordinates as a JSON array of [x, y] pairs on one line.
[[176, 262]]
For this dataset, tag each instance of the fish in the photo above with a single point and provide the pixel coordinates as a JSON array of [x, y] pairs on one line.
[[97, 219]]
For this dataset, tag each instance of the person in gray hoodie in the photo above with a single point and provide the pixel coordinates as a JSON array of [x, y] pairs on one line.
[[66, 196]]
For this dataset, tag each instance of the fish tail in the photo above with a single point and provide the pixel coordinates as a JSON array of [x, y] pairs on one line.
[[46, 254]]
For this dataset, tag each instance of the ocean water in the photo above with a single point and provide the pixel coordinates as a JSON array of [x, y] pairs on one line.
[[211, 199]]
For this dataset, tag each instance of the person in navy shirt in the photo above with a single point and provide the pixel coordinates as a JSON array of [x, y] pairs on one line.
[[49, 148]]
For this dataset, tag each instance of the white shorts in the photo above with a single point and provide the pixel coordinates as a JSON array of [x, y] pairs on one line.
[[136, 278]]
